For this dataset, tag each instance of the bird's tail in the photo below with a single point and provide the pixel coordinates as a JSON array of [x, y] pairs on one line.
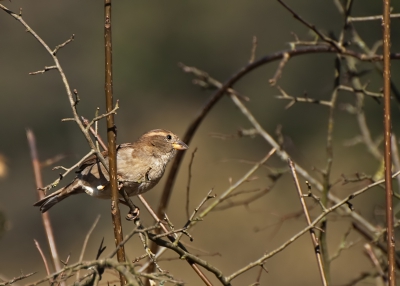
[[46, 203]]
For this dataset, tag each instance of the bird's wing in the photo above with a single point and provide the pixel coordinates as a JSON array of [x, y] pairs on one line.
[[91, 160], [132, 164]]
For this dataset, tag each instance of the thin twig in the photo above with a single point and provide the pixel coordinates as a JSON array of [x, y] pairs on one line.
[[278, 72], [294, 99], [188, 183], [357, 218], [341, 203], [313, 28], [363, 90], [235, 186], [196, 210], [58, 47], [375, 261], [191, 262], [307, 215], [86, 241], [191, 130], [67, 171], [39, 184], [230, 82], [99, 117], [44, 70], [371, 18], [192, 257], [46, 265], [15, 279], [95, 134], [100, 264], [176, 237], [343, 245], [244, 202], [396, 160], [253, 50]]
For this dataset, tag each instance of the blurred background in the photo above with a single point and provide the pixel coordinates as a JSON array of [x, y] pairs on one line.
[[149, 40]]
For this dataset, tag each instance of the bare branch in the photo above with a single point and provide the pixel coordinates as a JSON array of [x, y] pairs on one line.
[[86, 241], [57, 48], [338, 205], [307, 215], [371, 18], [278, 72], [253, 50], [46, 265], [47, 68], [188, 183], [15, 279], [67, 171]]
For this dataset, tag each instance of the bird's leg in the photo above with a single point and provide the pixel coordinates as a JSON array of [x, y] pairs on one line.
[[134, 210]]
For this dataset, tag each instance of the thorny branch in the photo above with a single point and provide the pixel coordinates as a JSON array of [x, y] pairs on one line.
[[64, 79], [358, 219], [314, 238], [341, 203], [12, 281]]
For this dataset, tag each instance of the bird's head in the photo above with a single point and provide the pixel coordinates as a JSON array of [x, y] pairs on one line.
[[162, 142]]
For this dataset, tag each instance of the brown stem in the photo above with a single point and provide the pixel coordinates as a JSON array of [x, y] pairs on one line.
[[387, 142], [314, 239], [46, 265], [111, 136], [39, 184]]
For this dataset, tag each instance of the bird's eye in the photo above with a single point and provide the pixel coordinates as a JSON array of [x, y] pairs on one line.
[[169, 137]]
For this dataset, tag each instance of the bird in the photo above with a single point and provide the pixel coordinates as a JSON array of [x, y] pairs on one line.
[[140, 166]]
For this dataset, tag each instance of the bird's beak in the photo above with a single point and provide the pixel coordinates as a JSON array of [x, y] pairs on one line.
[[179, 145]]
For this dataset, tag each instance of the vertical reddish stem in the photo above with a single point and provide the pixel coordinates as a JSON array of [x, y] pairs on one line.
[[111, 136], [39, 184], [387, 137]]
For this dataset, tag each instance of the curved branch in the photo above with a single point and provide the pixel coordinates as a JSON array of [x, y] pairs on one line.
[[298, 51]]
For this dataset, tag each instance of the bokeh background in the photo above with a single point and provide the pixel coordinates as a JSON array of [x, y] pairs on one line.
[[150, 38]]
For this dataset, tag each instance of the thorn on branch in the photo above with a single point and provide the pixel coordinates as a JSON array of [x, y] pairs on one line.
[[97, 118], [46, 68], [100, 249], [295, 99], [253, 50], [57, 48], [15, 279], [251, 132], [65, 263], [59, 167], [77, 99], [278, 72], [350, 205], [67, 119]]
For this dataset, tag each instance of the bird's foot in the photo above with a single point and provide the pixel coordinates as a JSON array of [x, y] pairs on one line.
[[133, 214]]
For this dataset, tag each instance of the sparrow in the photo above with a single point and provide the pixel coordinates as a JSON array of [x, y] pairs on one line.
[[140, 166]]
